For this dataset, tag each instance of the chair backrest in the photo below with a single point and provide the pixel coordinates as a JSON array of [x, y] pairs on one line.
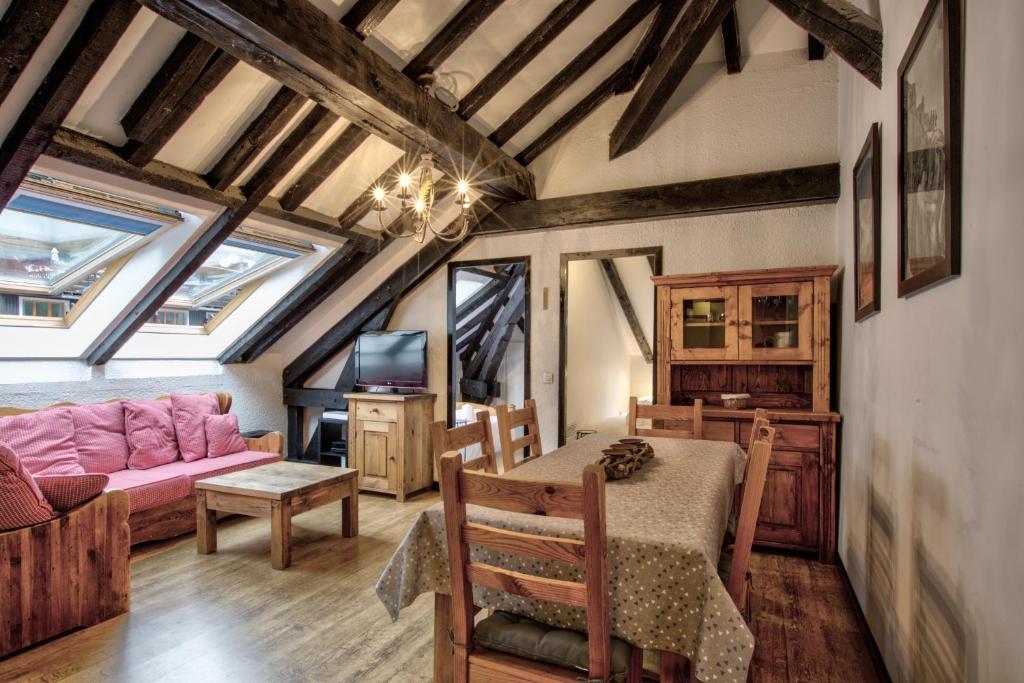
[[760, 420], [583, 501], [457, 438], [508, 421], [693, 414], [753, 489]]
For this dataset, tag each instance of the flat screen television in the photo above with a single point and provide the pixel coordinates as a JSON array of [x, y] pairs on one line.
[[395, 359]]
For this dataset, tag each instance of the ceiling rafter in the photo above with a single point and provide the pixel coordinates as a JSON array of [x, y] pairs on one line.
[[92, 41], [22, 28], [522, 54], [650, 44], [366, 15], [611, 271], [731, 40], [568, 75], [685, 42], [324, 165], [451, 36], [815, 49], [850, 32]]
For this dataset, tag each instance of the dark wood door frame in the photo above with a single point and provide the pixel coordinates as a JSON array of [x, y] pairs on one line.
[[453, 266], [653, 254]]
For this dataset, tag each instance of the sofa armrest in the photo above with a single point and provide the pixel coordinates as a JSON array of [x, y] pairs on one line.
[[271, 442]]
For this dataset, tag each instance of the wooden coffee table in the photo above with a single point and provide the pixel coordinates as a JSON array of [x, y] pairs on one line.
[[278, 490]]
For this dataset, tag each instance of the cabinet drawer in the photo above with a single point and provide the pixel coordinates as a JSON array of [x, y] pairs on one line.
[[793, 436], [719, 431], [373, 410]]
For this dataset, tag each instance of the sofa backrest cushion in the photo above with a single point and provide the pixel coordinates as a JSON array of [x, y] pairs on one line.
[[188, 411], [44, 441], [21, 502], [71, 490], [149, 429], [222, 435], [99, 437]]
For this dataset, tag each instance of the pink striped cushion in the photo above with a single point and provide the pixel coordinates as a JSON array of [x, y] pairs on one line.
[[189, 411], [99, 436], [70, 491], [21, 502], [44, 441], [150, 432], [222, 435]]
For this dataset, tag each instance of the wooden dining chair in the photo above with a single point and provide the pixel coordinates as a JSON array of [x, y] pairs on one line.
[[734, 567], [495, 649], [694, 415], [455, 439], [760, 420], [510, 420]]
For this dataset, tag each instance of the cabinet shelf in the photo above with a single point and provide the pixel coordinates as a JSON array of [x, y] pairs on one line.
[[703, 324], [776, 322]]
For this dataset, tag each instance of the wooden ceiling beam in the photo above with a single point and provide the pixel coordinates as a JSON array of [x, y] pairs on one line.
[[324, 165], [611, 271], [92, 41], [366, 15], [731, 39], [687, 40], [298, 45], [450, 37], [804, 186], [22, 28], [650, 44], [522, 54], [569, 74], [850, 32], [815, 49]]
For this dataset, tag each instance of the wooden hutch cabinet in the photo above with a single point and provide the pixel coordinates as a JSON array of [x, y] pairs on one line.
[[766, 333]]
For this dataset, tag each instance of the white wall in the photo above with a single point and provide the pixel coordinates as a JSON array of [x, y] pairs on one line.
[[932, 464]]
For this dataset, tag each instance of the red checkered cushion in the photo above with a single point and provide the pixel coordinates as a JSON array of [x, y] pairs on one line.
[[222, 436], [44, 441], [151, 488], [21, 502], [70, 491], [150, 432], [189, 411], [210, 467], [99, 436]]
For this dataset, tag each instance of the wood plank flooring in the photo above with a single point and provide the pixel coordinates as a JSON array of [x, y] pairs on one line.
[[230, 617]]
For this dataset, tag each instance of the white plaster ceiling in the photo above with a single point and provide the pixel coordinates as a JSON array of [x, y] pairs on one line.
[[223, 116]]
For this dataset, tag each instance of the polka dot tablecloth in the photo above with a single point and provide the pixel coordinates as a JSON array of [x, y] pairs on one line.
[[665, 529]]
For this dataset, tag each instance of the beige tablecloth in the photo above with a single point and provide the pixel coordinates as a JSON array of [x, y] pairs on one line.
[[665, 529]]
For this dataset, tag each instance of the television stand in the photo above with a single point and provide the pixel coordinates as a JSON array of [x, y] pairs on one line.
[[389, 441]]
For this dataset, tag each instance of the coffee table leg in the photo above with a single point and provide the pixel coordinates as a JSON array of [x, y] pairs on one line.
[[350, 511], [280, 534], [206, 526]]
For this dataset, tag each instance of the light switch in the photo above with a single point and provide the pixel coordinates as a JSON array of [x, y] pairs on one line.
[[548, 378]]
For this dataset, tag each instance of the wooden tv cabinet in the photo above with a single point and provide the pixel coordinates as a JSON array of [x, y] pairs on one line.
[[389, 442]]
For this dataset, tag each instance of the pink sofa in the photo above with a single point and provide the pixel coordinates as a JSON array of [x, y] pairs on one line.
[[161, 498]]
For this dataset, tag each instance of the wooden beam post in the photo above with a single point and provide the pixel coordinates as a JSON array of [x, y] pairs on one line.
[[101, 27], [698, 22], [612, 273], [22, 29], [853, 34], [731, 38], [450, 37], [298, 45], [366, 15], [750, 192]]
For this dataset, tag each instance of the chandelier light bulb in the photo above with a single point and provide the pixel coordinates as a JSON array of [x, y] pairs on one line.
[[419, 206], [404, 180], [462, 188], [378, 194]]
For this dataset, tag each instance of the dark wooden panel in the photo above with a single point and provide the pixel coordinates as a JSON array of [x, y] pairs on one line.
[[101, 27], [299, 46], [22, 28], [790, 187]]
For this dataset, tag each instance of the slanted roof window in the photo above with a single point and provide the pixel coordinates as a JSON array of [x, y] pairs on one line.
[[57, 240], [232, 271]]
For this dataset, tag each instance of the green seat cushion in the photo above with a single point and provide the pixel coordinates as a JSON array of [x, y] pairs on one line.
[[523, 637]]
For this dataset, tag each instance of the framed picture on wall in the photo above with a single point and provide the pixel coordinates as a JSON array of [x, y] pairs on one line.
[[930, 140], [867, 226]]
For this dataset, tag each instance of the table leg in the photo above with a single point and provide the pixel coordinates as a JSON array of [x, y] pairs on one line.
[[280, 534], [206, 526], [442, 639], [676, 668], [350, 511]]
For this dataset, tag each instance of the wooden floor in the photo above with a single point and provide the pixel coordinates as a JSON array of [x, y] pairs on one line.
[[230, 617]]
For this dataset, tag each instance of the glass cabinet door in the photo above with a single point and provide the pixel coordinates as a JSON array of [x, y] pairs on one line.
[[775, 321], [703, 322]]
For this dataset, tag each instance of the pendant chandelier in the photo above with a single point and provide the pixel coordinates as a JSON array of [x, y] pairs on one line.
[[415, 192]]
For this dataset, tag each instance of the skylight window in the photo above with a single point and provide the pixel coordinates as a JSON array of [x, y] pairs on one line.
[[58, 239], [228, 274]]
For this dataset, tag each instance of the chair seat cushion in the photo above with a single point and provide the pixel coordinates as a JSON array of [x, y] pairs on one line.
[[150, 488], [523, 637], [211, 467]]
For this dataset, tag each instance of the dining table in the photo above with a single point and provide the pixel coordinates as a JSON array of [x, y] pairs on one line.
[[665, 527]]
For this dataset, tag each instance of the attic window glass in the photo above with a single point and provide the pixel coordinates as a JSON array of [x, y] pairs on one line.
[[57, 239], [238, 263]]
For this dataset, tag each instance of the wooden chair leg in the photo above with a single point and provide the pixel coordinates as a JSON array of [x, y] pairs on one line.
[[673, 668], [635, 673]]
